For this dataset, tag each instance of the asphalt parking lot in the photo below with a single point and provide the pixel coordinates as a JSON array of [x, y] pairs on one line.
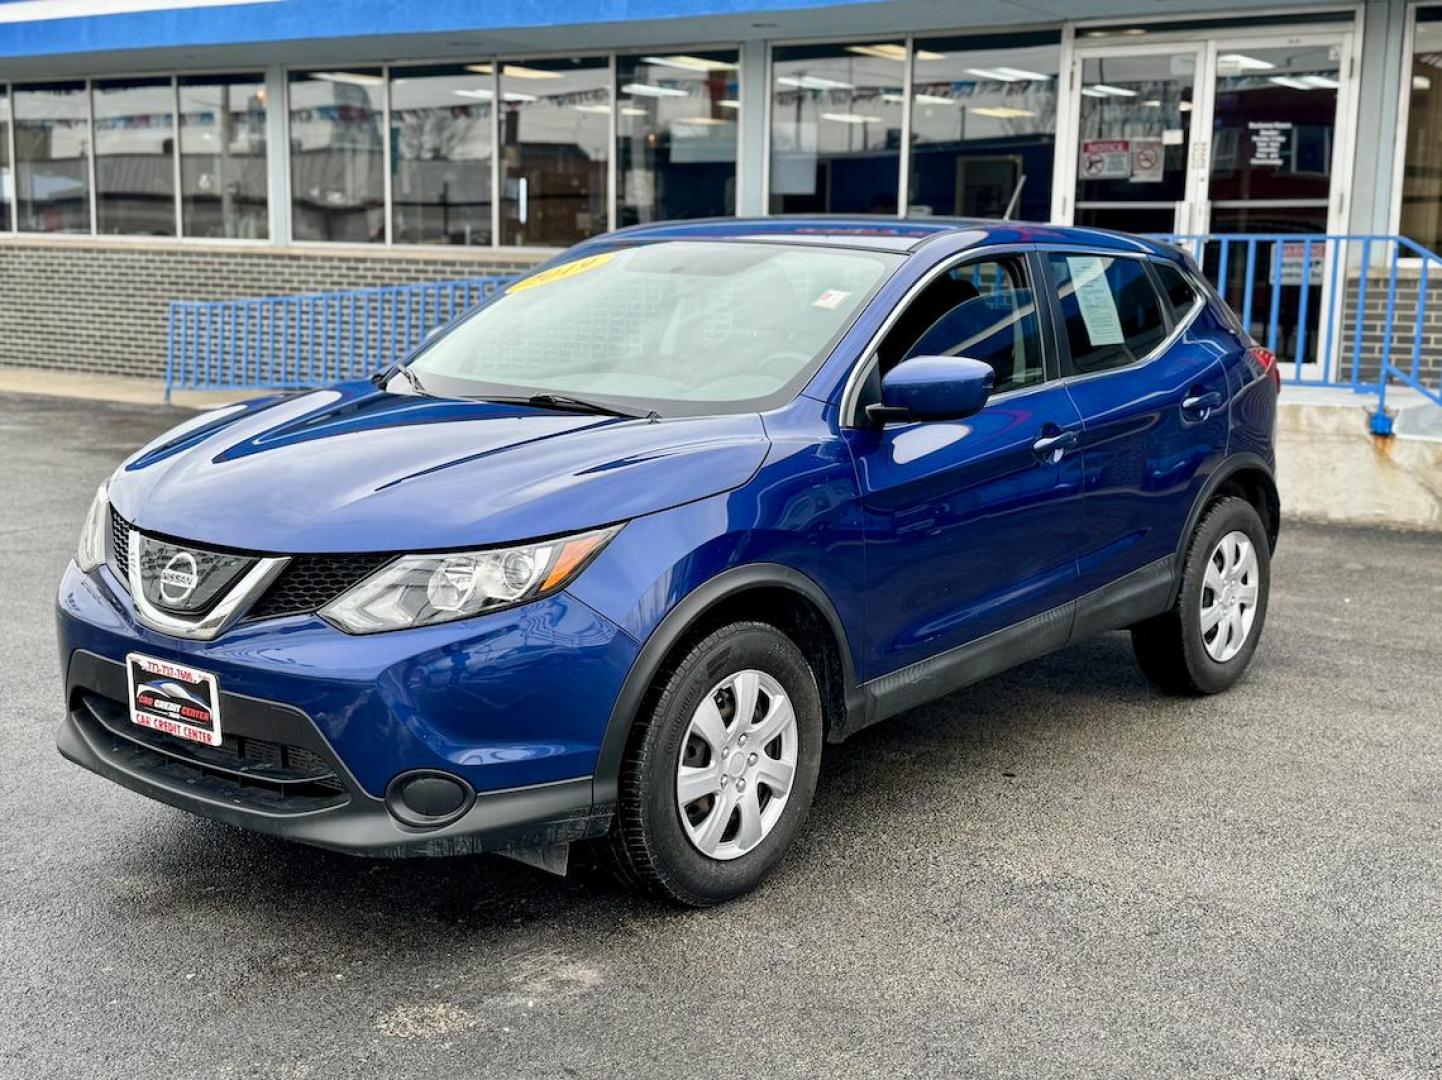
[[1056, 873]]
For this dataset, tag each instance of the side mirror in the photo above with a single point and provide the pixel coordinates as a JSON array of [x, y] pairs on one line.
[[932, 388]]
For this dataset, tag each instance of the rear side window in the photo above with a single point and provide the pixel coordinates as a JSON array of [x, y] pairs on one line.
[[1112, 314], [984, 310], [1180, 292]]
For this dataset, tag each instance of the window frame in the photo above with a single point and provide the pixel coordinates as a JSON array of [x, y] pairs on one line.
[[852, 411], [1173, 325]]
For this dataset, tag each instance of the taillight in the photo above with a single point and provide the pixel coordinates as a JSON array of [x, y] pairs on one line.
[[1268, 359]]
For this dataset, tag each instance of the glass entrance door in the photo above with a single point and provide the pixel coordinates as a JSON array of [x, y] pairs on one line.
[[1278, 142], [1135, 109]]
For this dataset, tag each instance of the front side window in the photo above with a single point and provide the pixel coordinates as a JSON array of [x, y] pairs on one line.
[[337, 157], [441, 154], [135, 157], [836, 127], [680, 327], [52, 167], [1112, 314], [676, 123], [983, 310], [222, 157]]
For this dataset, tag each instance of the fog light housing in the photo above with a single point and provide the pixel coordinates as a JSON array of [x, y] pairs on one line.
[[428, 798]]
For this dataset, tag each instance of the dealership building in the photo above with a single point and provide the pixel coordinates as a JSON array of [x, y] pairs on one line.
[[155, 150]]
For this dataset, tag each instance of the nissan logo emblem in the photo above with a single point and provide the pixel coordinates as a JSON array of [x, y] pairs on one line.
[[179, 579]]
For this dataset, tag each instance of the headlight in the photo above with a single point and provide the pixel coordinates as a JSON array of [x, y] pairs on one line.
[[90, 552], [418, 590]]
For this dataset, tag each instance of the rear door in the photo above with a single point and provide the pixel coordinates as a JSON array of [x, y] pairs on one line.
[[1153, 397]]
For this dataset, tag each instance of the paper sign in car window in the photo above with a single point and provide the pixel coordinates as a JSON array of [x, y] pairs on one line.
[[560, 273], [831, 299], [1094, 298]]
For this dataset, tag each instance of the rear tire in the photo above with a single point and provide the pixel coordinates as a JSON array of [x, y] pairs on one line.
[[720, 769], [1205, 642]]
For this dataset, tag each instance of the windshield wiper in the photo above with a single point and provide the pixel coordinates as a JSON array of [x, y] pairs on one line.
[[574, 404]]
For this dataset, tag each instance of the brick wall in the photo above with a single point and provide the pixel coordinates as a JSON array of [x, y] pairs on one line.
[[1404, 327], [101, 306]]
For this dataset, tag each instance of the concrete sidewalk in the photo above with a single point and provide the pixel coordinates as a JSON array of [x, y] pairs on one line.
[[117, 388]]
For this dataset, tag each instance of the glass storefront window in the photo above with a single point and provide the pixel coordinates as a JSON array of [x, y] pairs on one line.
[[135, 157], [441, 155], [223, 157], [555, 135], [1422, 166], [983, 125], [52, 167], [836, 127], [337, 158], [676, 136], [7, 180]]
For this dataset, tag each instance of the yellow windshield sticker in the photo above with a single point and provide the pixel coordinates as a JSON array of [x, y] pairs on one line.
[[560, 273]]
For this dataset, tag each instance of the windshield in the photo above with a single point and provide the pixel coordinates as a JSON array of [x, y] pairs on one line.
[[678, 327]]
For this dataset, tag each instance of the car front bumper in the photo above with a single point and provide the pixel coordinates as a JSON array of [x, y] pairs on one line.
[[318, 726]]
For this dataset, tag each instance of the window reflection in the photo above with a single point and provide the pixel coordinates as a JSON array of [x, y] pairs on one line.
[[223, 157], [1422, 167], [337, 159], [52, 173], [555, 135], [676, 136], [441, 155], [983, 125], [836, 127], [135, 157], [7, 179]]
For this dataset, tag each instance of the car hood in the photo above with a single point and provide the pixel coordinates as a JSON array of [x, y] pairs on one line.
[[353, 468]]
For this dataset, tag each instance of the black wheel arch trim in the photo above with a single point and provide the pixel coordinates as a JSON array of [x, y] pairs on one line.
[[674, 626], [1233, 465]]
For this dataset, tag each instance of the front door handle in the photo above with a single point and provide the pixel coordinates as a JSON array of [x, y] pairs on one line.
[[1200, 406], [1052, 447]]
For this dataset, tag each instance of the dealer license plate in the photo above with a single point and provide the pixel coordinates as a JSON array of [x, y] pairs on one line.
[[175, 699]]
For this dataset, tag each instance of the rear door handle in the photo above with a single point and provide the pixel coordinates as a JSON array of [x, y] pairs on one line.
[[1201, 405], [1052, 447]]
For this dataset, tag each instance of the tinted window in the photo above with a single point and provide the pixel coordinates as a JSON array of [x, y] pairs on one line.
[[222, 156], [1179, 290], [135, 157], [441, 155], [1112, 313], [676, 136], [337, 158], [52, 169], [984, 310], [836, 127]]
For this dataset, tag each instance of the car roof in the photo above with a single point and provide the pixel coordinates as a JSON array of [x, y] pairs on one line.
[[886, 233]]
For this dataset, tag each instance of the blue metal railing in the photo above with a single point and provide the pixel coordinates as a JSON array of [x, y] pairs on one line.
[[280, 342], [1327, 319]]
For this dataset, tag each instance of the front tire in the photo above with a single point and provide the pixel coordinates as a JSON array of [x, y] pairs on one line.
[[1205, 642], [721, 768]]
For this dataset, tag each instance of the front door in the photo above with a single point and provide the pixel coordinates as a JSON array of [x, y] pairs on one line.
[[971, 525]]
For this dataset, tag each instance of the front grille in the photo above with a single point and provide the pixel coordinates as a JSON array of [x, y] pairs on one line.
[[120, 542], [269, 774], [309, 582]]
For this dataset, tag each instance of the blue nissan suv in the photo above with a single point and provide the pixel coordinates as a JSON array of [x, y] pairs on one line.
[[616, 553]]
